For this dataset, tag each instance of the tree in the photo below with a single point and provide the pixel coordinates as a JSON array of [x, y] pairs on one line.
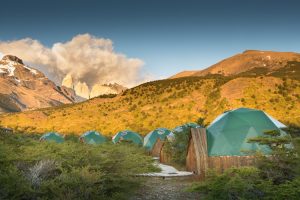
[[281, 165], [200, 121]]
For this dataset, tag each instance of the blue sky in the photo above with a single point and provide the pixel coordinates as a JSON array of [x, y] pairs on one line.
[[169, 36]]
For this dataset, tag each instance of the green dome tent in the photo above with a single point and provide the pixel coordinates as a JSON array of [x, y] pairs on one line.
[[128, 136], [228, 134], [185, 127], [52, 136], [92, 137], [182, 129], [153, 136]]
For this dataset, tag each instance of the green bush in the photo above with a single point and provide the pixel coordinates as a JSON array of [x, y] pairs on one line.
[[245, 183], [177, 148], [240, 183], [44, 170]]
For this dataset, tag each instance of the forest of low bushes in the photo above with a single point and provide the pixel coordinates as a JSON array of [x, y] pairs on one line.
[[30, 169]]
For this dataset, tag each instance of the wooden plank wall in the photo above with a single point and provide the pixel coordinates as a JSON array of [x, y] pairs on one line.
[[221, 163]]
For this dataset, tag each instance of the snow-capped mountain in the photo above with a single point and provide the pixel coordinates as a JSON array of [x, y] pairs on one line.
[[24, 88]]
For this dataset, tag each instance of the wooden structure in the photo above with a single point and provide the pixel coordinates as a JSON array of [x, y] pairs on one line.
[[197, 156], [156, 150], [199, 162], [221, 163]]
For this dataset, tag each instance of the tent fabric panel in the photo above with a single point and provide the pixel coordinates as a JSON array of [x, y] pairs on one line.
[[93, 137], [229, 134], [129, 136]]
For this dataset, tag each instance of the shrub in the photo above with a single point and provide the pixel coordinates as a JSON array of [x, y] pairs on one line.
[[240, 183], [201, 122], [43, 170], [177, 149], [40, 171]]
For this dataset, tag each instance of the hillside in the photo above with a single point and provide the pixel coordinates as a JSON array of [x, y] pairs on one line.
[[246, 61], [183, 74], [168, 103], [25, 88]]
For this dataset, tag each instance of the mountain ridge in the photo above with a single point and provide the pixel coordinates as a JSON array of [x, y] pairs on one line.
[[25, 88], [245, 61]]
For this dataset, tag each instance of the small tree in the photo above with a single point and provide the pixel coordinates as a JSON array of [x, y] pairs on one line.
[[200, 121], [282, 164]]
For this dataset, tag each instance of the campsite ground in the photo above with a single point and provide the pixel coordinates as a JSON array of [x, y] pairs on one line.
[[159, 188]]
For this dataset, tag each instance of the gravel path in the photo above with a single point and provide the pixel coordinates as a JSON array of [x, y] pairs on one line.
[[159, 188]]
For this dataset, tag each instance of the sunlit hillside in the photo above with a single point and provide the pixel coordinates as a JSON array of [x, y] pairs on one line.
[[168, 103]]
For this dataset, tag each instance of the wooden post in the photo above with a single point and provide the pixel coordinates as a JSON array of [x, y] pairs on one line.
[[197, 156], [157, 148]]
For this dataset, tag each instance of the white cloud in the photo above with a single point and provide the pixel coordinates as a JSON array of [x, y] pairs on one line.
[[87, 58]]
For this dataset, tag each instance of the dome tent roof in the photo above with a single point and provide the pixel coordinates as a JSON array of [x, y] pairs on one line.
[[185, 127], [52, 136], [229, 133], [92, 137], [153, 136], [128, 135]]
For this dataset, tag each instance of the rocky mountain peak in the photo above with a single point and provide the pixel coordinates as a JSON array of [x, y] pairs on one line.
[[13, 58], [24, 88], [68, 81], [83, 90]]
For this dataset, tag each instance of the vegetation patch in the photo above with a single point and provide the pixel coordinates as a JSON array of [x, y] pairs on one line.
[[43, 170]]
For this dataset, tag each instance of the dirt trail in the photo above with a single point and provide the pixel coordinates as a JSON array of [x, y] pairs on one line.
[[157, 188]]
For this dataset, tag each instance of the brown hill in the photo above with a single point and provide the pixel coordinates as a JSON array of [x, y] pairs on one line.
[[246, 61], [184, 74]]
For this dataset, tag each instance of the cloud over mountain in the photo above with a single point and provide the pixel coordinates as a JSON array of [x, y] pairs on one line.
[[85, 57]]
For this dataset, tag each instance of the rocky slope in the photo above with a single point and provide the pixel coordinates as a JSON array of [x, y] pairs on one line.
[[25, 88], [246, 61]]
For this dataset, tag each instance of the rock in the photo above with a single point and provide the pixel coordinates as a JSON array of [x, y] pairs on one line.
[[68, 81], [13, 58], [82, 90], [99, 89]]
